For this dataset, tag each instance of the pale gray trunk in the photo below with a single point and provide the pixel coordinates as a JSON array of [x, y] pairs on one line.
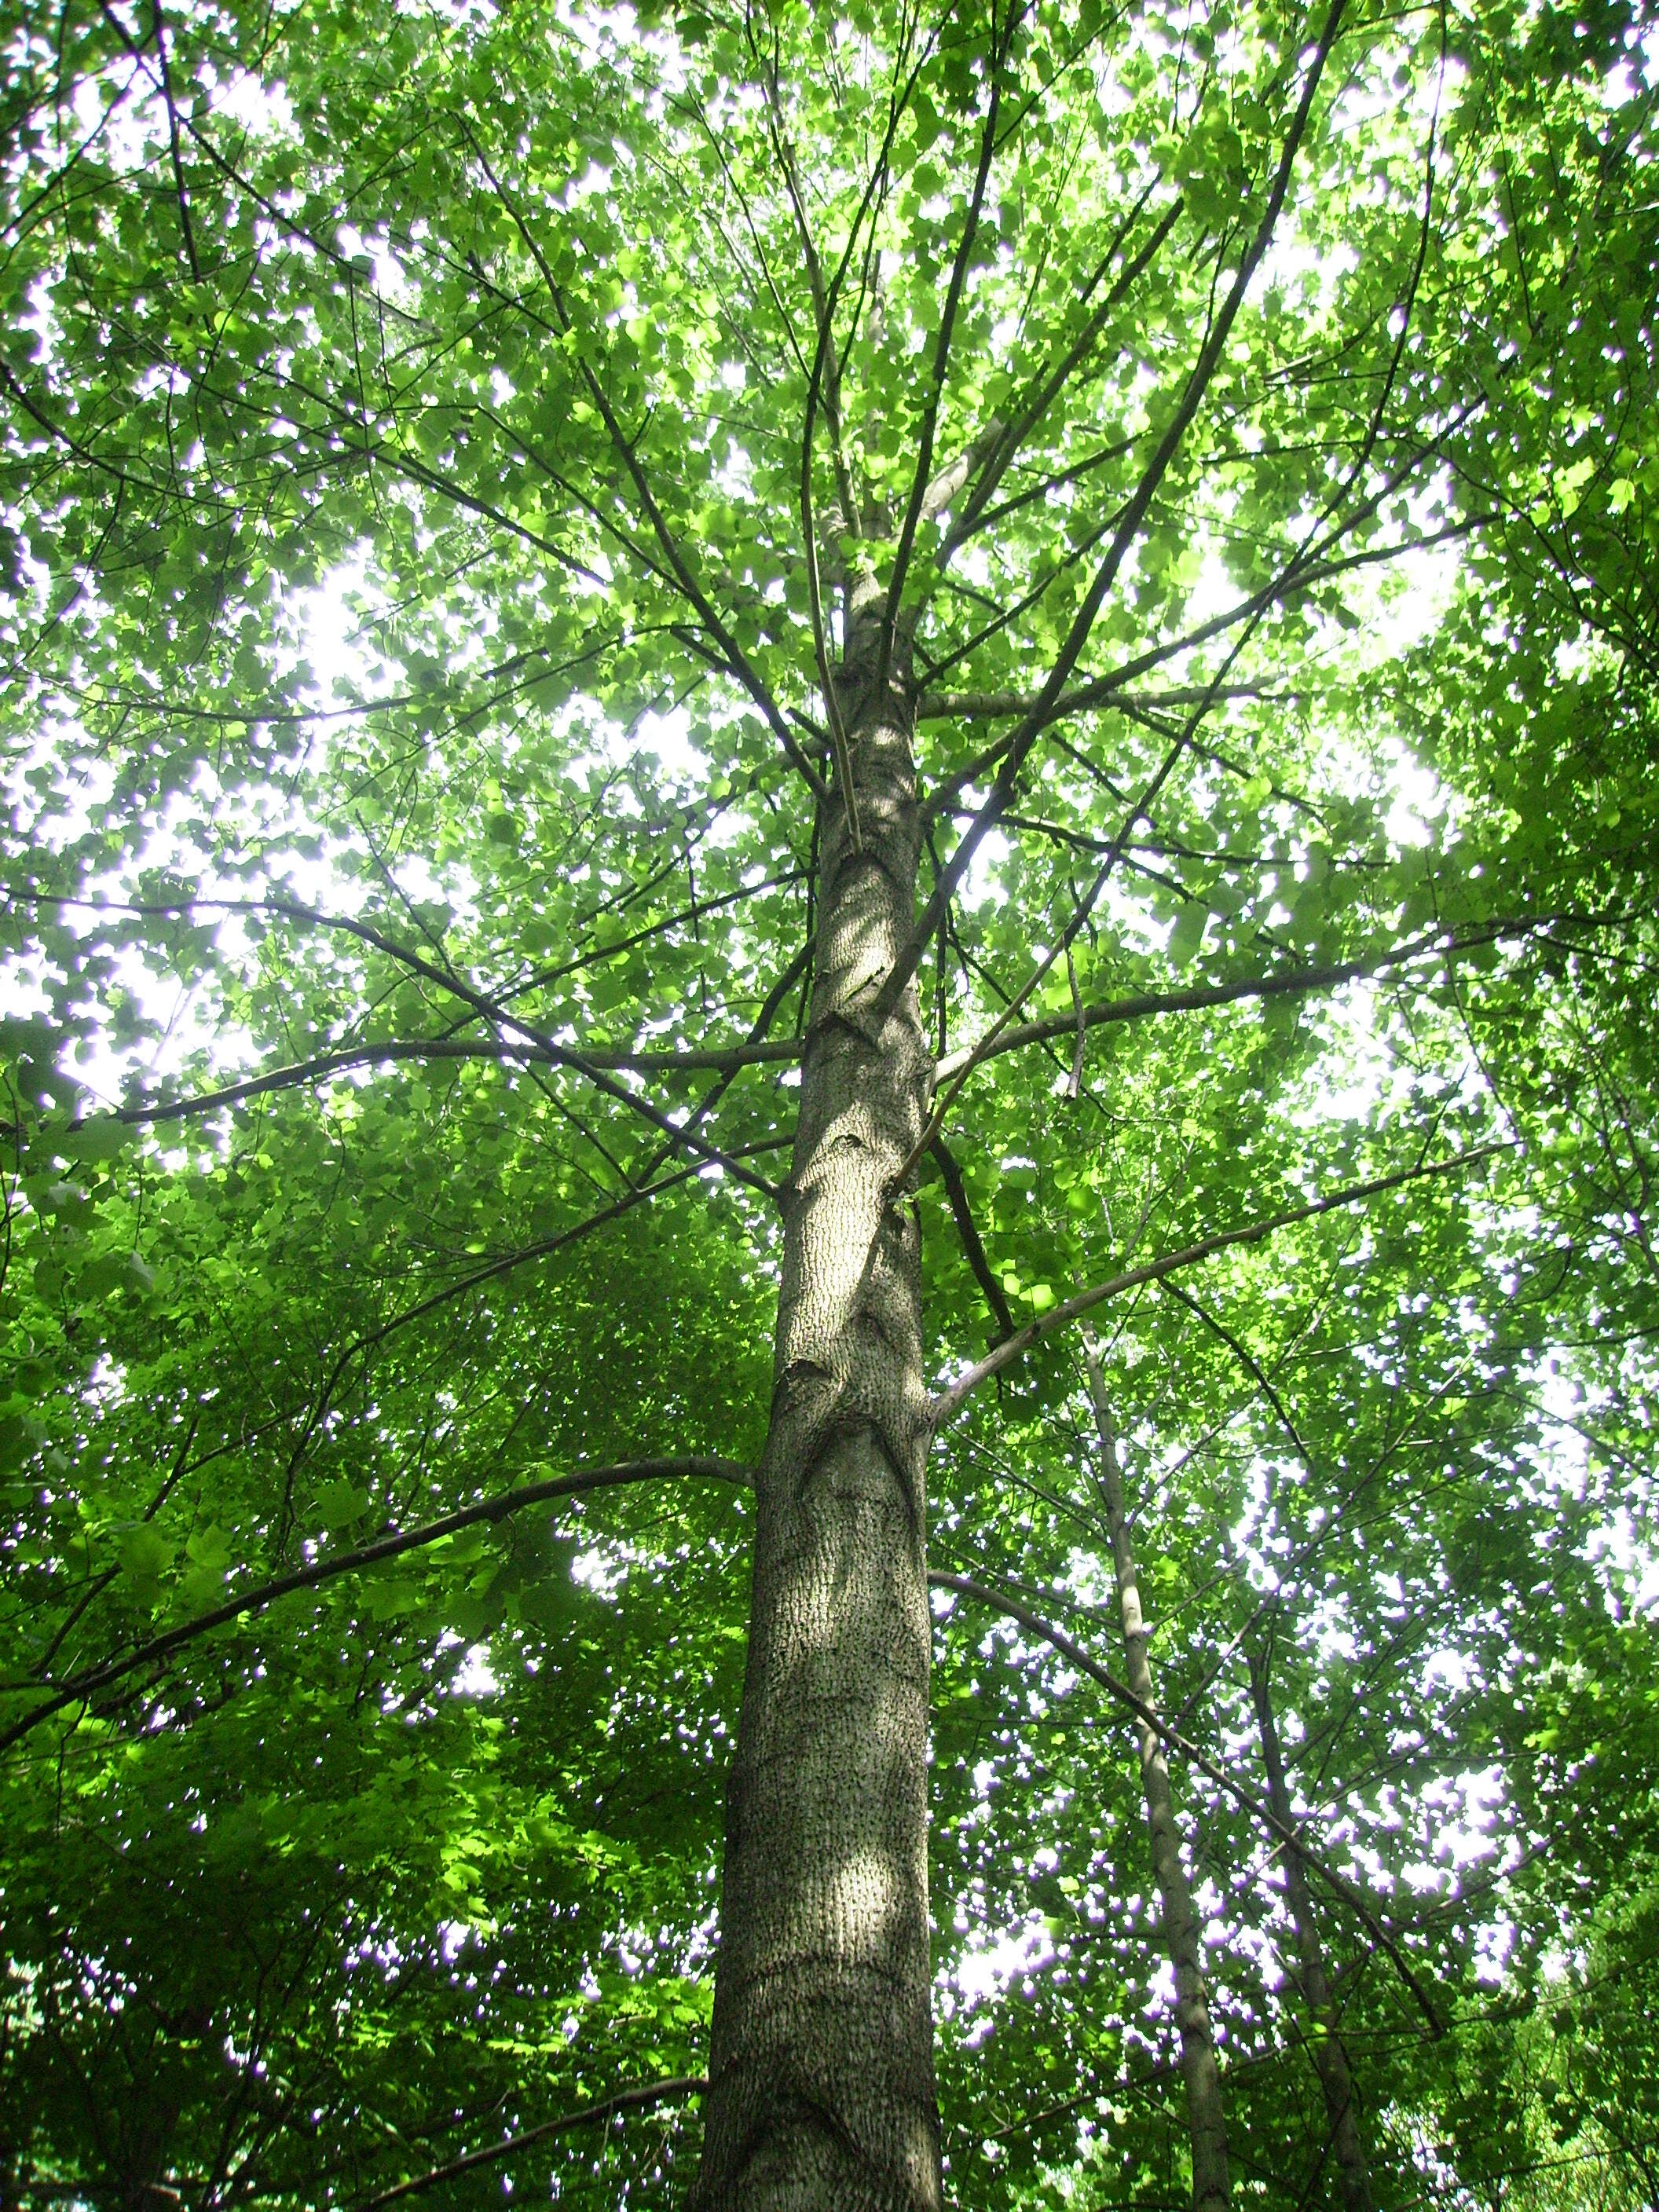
[[1205, 2121], [1330, 2058], [821, 2095]]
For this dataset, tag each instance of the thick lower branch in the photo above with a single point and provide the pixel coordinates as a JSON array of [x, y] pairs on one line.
[[392, 1546]]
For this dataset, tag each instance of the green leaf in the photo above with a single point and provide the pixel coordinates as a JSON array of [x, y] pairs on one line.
[[339, 1503], [1188, 935], [145, 1554]]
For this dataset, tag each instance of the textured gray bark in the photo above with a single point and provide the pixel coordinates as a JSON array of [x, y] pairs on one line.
[[1330, 2058], [821, 2071], [1205, 2121]]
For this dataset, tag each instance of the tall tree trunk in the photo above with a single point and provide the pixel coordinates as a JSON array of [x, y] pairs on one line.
[[1205, 2121], [821, 2091], [1330, 2058]]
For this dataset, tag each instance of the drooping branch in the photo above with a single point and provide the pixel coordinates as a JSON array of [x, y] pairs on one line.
[[1074, 1654], [491, 1511], [950, 1402], [972, 1244]]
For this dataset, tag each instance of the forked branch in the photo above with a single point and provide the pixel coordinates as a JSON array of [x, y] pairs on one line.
[[1128, 529]]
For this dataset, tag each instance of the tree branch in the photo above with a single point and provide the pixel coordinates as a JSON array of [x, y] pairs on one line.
[[967, 1229], [826, 371], [492, 1009], [923, 474], [1001, 456], [701, 1059], [992, 706], [636, 1194], [742, 667], [184, 223], [1150, 1718], [624, 2100], [1197, 383], [786, 1051], [949, 1402], [393, 1546], [1298, 982]]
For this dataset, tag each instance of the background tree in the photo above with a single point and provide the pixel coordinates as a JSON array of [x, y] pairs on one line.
[[879, 682]]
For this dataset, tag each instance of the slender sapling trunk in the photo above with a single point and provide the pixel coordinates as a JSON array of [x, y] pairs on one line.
[[1329, 2056], [1205, 2121]]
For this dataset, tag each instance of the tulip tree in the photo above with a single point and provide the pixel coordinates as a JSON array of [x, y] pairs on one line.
[[829, 890]]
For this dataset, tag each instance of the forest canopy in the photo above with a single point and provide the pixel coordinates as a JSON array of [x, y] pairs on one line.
[[829, 920]]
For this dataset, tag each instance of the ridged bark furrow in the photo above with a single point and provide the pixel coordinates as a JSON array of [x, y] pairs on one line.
[[822, 2092]]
